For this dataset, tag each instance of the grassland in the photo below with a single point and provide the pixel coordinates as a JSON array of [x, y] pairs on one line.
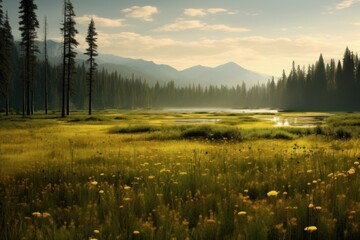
[[145, 175]]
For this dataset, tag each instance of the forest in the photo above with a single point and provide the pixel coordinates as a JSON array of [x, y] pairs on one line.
[[322, 86], [30, 83], [326, 87]]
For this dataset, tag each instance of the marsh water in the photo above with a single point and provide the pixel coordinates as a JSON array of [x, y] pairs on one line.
[[274, 115], [218, 110]]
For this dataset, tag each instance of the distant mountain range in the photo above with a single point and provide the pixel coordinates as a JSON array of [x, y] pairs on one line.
[[228, 74]]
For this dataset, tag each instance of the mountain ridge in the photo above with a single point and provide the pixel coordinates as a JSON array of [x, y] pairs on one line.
[[228, 74]]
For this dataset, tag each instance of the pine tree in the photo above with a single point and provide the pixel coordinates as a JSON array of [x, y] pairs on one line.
[[347, 86], [8, 46], [319, 85], [45, 68], [69, 54], [91, 51], [28, 24], [3, 59]]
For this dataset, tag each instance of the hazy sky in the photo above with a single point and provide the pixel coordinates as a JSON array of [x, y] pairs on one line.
[[264, 36]]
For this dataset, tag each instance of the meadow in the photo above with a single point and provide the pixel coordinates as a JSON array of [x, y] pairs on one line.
[[151, 175]]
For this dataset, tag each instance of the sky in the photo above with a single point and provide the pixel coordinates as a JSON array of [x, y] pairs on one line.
[[260, 35]]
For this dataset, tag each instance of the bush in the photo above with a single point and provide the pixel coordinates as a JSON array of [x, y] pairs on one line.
[[134, 129], [283, 135], [212, 133], [342, 133]]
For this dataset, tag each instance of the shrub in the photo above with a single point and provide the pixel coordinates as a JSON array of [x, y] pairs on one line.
[[212, 132], [134, 129], [342, 133]]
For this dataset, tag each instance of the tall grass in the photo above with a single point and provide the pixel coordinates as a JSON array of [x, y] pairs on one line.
[[97, 185]]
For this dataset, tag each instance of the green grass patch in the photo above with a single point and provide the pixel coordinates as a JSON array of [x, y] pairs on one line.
[[134, 129], [212, 133]]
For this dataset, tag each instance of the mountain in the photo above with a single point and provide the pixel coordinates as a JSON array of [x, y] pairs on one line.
[[229, 74]]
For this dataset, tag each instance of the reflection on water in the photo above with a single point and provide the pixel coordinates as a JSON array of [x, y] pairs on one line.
[[217, 110], [299, 121], [197, 120], [280, 123], [279, 120]]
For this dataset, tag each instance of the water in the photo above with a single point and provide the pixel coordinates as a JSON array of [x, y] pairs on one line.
[[217, 110], [279, 120], [299, 121]]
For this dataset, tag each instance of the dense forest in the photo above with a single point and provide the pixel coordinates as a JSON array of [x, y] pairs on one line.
[[29, 83], [331, 86]]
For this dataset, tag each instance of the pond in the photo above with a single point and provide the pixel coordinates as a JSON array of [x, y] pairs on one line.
[[216, 110], [279, 119], [299, 121]]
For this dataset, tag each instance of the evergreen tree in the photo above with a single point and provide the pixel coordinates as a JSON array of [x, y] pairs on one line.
[[70, 43], [8, 47], [319, 85], [91, 51], [348, 83], [65, 34], [28, 24], [46, 68], [2, 52]]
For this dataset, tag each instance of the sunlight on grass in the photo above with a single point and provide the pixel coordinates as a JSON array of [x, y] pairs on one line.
[[64, 179]]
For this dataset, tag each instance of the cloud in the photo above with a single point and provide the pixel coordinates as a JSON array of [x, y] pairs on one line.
[[216, 10], [224, 28], [180, 25], [99, 21], [252, 52], [144, 13], [195, 12], [345, 4], [200, 12]]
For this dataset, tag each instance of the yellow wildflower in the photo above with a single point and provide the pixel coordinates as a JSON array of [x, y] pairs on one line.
[[94, 183], [241, 213], [351, 171], [272, 193], [310, 229], [36, 214], [46, 215], [210, 220], [96, 231], [136, 232], [101, 192]]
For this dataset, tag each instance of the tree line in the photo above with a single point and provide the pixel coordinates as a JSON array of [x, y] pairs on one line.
[[26, 63], [320, 86]]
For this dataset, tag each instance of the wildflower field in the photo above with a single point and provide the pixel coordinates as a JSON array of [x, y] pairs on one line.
[[146, 175]]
